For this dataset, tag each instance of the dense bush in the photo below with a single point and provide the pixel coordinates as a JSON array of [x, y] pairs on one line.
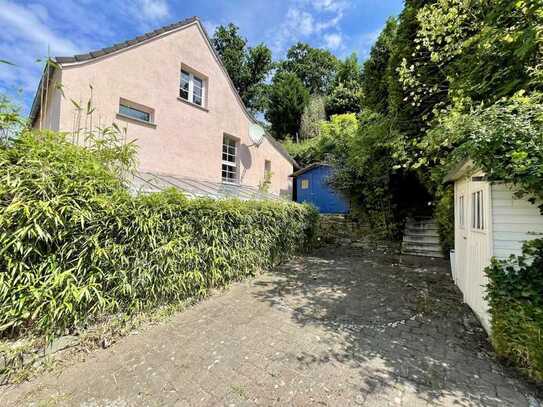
[[444, 215], [74, 245], [515, 295]]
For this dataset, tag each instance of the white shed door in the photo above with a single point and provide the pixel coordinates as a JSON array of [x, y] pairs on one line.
[[478, 245], [461, 233]]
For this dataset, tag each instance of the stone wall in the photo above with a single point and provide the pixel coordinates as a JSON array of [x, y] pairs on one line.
[[344, 230], [341, 230]]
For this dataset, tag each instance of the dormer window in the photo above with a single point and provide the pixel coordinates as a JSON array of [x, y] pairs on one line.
[[192, 88]]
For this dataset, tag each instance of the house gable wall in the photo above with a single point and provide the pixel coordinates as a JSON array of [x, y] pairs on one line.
[[185, 139]]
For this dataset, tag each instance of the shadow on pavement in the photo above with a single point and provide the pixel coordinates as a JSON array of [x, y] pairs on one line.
[[402, 325]]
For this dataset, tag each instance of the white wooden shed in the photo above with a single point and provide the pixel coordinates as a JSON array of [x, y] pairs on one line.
[[489, 221]]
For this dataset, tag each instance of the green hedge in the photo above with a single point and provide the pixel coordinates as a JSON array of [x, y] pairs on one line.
[[515, 295], [75, 246]]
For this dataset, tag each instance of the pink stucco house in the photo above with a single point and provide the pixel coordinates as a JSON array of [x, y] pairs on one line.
[[170, 91]]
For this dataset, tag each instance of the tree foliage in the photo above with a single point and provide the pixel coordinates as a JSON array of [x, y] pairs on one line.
[[248, 67], [288, 98], [312, 117], [486, 49], [346, 93], [315, 67], [344, 99], [376, 70]]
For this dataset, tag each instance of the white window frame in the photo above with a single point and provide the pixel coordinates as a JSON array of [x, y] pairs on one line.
[[138, 107], [192, 76], [478, 210], [232, 165], [461, 211]]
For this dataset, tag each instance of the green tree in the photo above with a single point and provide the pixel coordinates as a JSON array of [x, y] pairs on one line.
[[287, 100], [376, 68], [344, 98], [349, 71], [486, 50], [315, 67], [411, 118], [248, 67], [312, 117]]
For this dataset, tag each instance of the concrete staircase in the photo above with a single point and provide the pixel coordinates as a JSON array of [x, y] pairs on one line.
[[421, 238]]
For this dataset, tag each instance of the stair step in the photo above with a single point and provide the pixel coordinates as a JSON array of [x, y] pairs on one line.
[[421, 233], [421, 224], [419, 246], [421, 239], [423, 253]]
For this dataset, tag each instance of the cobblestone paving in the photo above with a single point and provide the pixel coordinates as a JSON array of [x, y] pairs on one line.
[[343, 327]]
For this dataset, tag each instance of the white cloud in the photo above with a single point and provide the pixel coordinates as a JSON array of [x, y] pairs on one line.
[[333, 41], [300, 21], [28, 24], [153, 9], [329, 5], [310, 18]]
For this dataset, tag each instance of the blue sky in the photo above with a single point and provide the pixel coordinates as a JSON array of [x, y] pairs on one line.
[[33, 29]]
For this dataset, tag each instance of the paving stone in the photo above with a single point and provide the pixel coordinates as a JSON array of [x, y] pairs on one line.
[[342, 327]]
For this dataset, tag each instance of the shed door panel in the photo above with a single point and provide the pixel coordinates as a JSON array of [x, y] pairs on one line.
[[478, 246], [461, 233]]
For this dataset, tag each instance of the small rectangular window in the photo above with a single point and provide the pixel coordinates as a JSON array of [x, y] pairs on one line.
[[229, 160], [477, 211], [267, 167], [305, 184], [135, 111], [192, 88]]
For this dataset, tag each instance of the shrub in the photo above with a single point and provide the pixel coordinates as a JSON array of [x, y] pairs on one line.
[[74, 245], [444, 215], [515, 295]]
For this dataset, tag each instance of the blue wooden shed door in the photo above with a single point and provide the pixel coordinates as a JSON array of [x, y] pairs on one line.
[[313, 187]]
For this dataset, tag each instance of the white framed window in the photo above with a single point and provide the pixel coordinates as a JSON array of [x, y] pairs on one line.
[[267, 167], [229, 160], [192, 88], [461, 211], [477, 211], [305, 184], [135, 111]]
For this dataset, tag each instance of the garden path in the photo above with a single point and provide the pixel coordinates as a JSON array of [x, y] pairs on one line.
[[341, 327]]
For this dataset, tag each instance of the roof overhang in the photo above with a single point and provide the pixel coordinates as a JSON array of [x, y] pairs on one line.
[[459, 170], [308, 168]]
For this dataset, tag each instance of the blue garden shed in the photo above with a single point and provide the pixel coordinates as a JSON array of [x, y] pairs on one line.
[[311, 184]]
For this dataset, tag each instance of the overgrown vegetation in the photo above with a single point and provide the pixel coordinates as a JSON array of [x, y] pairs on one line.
[[74, 245], [515, 295], [451, 80]]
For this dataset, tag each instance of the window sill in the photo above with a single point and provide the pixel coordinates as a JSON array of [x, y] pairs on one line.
[[138, 121], [192, 104], [237, 183]]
